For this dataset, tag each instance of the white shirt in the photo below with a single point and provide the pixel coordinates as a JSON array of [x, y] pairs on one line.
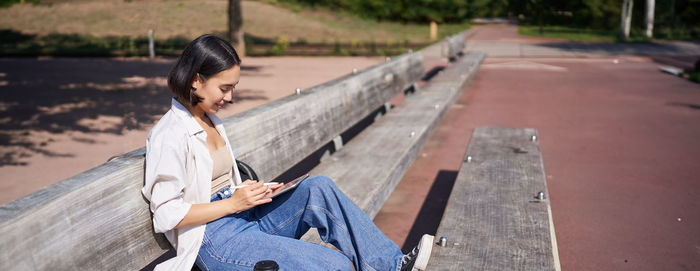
[[178, 174]]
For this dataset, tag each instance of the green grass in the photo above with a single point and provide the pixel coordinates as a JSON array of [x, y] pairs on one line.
[[118, 28], [395, 32], [580, 34], [569, 33], [694, 76], [18, 44]]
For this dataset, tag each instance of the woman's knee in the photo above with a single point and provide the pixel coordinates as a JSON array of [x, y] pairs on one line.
[[318, 182]]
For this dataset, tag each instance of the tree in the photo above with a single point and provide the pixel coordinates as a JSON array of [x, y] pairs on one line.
[[235, 26], [649, 19], [626, 19]]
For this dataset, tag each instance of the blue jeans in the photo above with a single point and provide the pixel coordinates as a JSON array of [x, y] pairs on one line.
[[271, 232]]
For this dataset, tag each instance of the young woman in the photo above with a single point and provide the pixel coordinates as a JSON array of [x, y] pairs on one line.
[[189, 177]]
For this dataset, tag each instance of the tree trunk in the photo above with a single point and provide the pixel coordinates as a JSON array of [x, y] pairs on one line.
[[626, 19], [235, 26], [649, 19]]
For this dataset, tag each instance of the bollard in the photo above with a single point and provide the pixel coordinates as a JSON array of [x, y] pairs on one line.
[[433, 31]]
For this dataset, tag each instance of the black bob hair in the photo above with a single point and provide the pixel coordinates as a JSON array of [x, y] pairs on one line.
[[207, 55]]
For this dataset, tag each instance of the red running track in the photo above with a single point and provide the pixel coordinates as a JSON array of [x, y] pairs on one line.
[[621, 148]]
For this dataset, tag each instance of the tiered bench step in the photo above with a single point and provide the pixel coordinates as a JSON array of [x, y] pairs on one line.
[[369, 167], [494, 219]]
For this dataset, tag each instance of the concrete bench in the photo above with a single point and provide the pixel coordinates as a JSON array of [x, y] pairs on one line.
[[495, 218], [99, 220]]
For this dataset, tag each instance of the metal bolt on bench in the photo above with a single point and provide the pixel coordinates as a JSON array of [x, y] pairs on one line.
[[443, 241], [540, 195]]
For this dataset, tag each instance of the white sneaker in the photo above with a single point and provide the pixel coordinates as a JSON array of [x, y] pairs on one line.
[[417, 259]]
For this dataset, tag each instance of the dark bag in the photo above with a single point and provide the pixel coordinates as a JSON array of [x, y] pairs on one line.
[[246, 172]]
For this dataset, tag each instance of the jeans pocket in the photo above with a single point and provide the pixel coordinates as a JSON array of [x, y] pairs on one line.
[[229, 251]]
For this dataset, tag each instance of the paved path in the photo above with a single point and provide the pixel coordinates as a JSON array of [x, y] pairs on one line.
[[620, 148], [502, 40]]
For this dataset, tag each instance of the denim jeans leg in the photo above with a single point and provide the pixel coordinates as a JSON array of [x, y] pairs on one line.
[[235, 242], [318, 203]]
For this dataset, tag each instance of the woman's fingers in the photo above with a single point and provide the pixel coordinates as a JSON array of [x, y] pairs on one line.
[[258, 188], [255, 193], [248, 182], [263, 201], [276, 188], [263, 193]]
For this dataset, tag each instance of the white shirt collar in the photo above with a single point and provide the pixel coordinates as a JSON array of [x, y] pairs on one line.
[[191, 124]]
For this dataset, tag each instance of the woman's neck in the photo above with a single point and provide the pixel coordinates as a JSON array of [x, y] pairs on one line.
[[197, 113]]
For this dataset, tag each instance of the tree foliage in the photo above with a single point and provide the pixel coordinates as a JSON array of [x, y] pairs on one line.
[[672, 15], [400, 10]]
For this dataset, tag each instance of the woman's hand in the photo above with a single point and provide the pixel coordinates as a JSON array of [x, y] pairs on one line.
[[275, 188], [248, 197], [243, 199]]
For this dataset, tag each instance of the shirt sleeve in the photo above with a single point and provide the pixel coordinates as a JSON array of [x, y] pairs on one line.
[[164, 183]]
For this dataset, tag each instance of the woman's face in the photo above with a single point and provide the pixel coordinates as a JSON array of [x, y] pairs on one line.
[[216, 90]]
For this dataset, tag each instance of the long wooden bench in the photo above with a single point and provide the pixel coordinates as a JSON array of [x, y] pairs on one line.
[[382, 153], [496, 218], [99, 220]]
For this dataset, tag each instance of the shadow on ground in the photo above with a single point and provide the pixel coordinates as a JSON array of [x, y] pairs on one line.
[[40, 98], [676, 48], [430, 214]]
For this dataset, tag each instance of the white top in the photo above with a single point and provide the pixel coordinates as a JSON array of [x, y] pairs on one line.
[[178, 174]]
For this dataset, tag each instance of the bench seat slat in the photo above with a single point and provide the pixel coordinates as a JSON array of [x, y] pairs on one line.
[[493, 220]]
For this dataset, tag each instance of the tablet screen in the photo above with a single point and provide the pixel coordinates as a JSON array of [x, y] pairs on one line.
[[290, 185]]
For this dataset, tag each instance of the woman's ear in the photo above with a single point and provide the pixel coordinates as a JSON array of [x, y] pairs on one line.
[[197, 82]]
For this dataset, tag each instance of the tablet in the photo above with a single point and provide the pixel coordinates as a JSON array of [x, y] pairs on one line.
[[290, 185]]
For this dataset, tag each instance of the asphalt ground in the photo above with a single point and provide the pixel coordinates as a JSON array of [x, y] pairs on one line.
[[621, 150]]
